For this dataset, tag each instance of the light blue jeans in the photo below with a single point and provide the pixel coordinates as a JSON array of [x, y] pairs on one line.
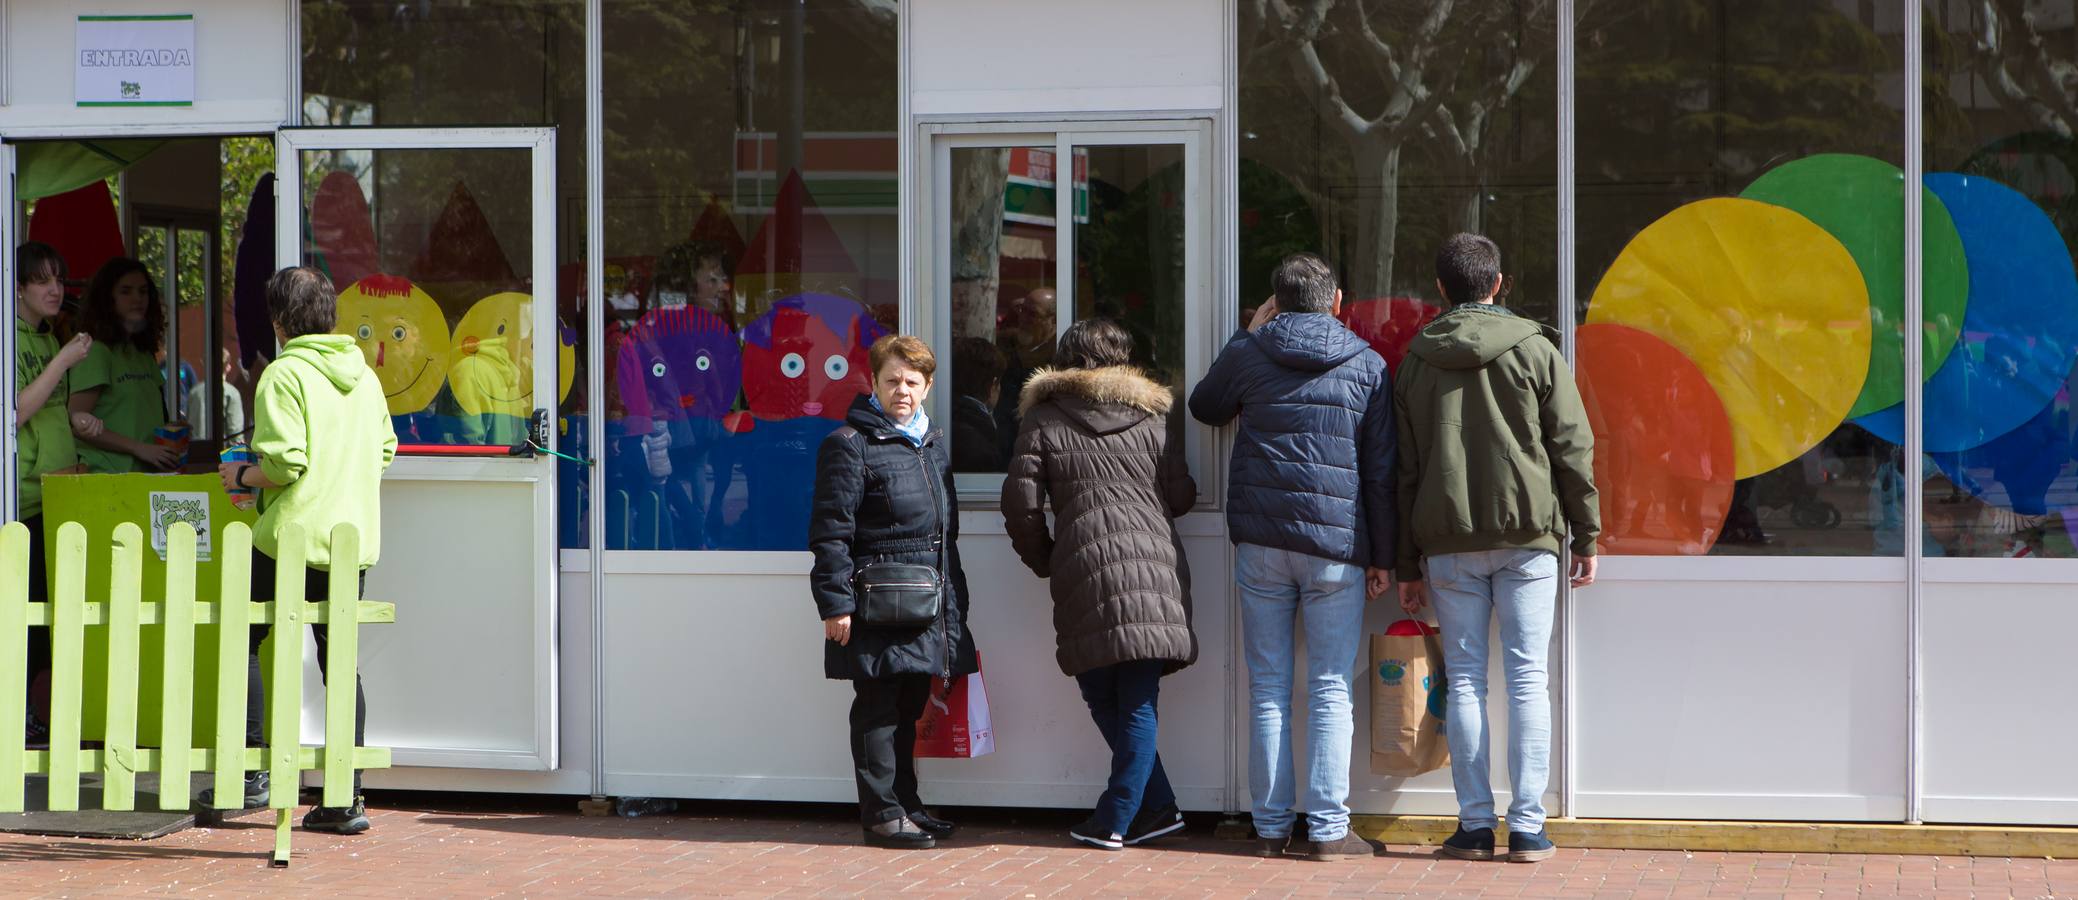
[[1281, 592], [1468, 589]]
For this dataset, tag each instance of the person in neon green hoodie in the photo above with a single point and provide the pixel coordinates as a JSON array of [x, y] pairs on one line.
[[323, 439], [43, 430]]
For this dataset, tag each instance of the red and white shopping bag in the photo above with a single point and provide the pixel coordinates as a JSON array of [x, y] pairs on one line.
[[956, 722]]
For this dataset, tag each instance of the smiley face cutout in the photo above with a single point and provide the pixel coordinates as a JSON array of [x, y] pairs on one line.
[[402, 333]]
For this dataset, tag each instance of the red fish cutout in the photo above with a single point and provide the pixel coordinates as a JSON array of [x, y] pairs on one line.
[[806, 356]]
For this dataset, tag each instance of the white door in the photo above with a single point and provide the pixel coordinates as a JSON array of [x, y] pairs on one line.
[[441, 244]]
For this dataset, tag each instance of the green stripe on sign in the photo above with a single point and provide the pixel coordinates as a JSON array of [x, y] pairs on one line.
[[184, 17], [135, 103]]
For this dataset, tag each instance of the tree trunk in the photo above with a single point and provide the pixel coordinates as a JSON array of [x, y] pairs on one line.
[[978, 181], [1378, 219]]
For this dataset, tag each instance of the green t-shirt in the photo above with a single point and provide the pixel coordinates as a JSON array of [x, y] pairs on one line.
[[132, 402], [44, 443]]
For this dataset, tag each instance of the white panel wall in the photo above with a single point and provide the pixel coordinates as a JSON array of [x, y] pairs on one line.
[[1740, 698], [715, 689], [241, 74], [1082, 56], [1999, 733]]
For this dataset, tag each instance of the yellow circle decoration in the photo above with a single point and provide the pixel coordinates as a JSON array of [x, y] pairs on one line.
[[493, 371], [1770, 306], [402, 333]]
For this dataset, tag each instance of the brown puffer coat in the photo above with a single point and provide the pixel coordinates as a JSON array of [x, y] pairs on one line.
[[1096, 444]]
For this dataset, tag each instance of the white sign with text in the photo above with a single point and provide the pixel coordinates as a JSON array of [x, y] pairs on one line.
[[134, 61], [191, 507]]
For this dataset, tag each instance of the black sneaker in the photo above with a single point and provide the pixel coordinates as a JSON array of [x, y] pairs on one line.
[[1154, 823], [1529, 848], [336, 820], [1089, 833], [256, 792], [1473, 845], [899, 834], [34, 733]]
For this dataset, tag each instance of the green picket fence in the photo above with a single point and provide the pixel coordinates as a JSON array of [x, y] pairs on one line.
[[118, 760]]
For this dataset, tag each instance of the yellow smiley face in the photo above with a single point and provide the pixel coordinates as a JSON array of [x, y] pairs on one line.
[[493, 370], [401, 331]]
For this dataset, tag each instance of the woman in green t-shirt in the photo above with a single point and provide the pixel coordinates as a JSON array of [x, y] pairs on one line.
[[43, 437], [120, 382]]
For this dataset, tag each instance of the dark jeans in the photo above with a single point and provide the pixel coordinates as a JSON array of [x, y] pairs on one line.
[[1122, 700], [883, 744], [39, 592], [316, 587]]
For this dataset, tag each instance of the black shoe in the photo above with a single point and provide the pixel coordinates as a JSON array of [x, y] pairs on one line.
[[1529, 848], [909, 838], [337, 820], [1154, 823], [256, 792], [34, 733], [1473, 845], [932, 825], [1272, 847], [1103, 839]]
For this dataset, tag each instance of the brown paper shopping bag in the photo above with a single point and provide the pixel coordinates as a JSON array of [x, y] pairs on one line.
[[1407, 700]]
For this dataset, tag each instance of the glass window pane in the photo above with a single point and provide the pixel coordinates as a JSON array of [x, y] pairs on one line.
[[1740, 249], [1999, 474], [194, 271], [432, 253], [1005, 303], [750, 216], [1372, 135]]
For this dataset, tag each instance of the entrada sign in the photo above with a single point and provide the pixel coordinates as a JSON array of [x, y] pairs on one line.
[[146, 60]]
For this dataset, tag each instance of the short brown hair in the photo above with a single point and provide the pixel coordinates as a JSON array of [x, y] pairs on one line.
[[907, 349], [1094, 344], [301, 301]]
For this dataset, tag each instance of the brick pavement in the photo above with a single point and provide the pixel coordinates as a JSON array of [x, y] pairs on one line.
[[478, 846]]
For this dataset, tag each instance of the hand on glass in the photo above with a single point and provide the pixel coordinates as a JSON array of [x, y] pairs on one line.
[[156, 457], [1263, 313], [1583, 570], [1376, 582], [85, 424], [1413, 597], [838, 628]]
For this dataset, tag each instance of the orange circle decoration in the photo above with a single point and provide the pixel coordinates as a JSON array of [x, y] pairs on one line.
[[1664, 458]]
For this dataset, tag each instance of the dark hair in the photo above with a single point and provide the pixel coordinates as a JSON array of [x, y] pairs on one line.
[[1093, 344], [976, 364], [97, 315], [1467, 266], [36, 261], [1304, 283], [301, 301]]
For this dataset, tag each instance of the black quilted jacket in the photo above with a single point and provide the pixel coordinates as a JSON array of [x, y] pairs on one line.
[[879, 497]]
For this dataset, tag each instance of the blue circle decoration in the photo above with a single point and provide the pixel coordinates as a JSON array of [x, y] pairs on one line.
[[1391, 672], [2020, 330]]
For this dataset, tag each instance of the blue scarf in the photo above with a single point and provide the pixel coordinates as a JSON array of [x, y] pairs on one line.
[[914, 430]]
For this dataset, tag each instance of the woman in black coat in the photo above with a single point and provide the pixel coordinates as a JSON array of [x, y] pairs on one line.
[[884, 492]]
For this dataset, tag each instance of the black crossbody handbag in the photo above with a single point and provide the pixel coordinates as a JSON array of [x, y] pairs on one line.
[[899, 595]]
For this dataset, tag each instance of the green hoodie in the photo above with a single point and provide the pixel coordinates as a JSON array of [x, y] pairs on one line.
[[1495, 448], [322, 432]]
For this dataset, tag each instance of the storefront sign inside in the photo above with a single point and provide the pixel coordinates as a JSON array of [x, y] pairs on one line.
[[169, 507], [135, 61]]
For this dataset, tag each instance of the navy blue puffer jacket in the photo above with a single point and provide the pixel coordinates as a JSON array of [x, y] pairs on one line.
[[1313, 462]]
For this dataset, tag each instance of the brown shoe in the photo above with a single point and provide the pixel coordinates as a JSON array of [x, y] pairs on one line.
[[1348, 846], [1272, 848]]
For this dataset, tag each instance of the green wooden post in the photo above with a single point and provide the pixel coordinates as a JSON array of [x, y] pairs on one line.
[[67, 637], [342, 649], [234, 633], [177, 668], [119, 740], [14, 645], [285, 687]]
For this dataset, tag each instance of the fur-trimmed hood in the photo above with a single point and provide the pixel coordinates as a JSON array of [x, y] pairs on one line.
[[1123, 385], [1103, 401]]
